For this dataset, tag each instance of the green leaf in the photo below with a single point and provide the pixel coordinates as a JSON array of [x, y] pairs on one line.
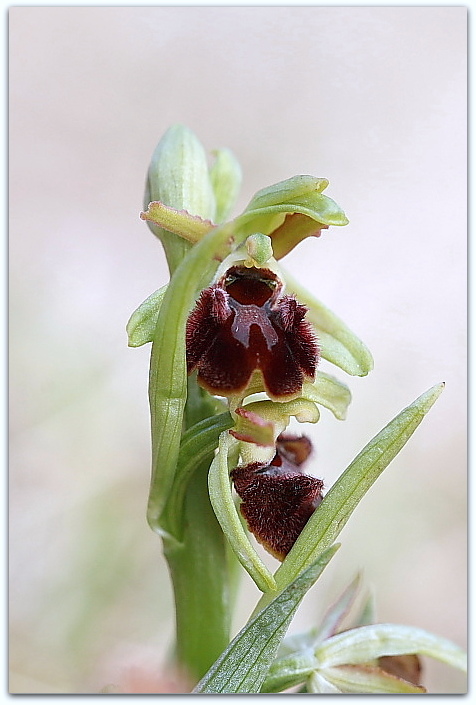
[[330, 517], [338, 344], [364, 644], [243, 665], [141, 325], [198, 443], [225, 510], [225, 175], [367, 679]]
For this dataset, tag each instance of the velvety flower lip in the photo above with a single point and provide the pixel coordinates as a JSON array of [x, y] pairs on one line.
[[278, 498], [241, 324]]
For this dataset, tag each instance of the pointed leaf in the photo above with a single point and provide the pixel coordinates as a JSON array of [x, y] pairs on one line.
[[297, 659], [330, 517], [243, 665], [331, 622]]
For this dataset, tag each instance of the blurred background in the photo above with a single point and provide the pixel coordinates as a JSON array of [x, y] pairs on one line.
[[372, 98]]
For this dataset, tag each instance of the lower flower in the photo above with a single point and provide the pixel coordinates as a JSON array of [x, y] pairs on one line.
[[278, 498]]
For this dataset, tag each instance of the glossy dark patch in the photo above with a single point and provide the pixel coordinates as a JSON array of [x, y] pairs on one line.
[[278, 499], [241, 324]]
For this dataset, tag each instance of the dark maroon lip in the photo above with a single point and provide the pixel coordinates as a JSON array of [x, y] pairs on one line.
[[242, 324], [278, 499]]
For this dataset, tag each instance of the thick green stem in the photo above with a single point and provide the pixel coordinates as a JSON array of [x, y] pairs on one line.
[[200, 576]]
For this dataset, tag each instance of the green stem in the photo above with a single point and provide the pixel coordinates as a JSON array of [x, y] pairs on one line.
[[200, 577]]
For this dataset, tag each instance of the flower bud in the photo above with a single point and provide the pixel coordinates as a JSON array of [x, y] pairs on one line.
[[178, 176]]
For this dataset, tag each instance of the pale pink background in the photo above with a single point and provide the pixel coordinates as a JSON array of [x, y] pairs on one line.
[[372, 98]]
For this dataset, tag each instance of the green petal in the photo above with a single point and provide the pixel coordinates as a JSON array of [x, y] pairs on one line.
[[368, 679], [364, 644], [243, 665], [225, 176], [141, 325], [338, 343]]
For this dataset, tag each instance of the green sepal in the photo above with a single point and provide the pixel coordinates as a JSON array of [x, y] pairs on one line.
[[243, 665], [336, 614], [289, 671], [141, 325], [339, 345], [299, 195], [329, 392]]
